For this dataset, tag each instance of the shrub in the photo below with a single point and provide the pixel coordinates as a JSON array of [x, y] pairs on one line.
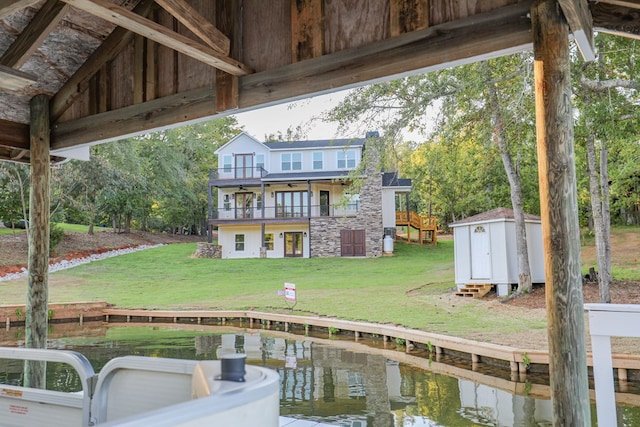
[[56, 235]]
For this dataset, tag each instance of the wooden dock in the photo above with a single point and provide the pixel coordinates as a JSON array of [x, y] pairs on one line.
[[292, 422], [519, 360]]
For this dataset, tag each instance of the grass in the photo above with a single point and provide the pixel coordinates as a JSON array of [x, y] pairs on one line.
[[4, 231], [412, 288], [75, 228]]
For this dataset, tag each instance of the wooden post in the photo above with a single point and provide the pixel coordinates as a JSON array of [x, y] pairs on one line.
[[559, 211], [36, 319]]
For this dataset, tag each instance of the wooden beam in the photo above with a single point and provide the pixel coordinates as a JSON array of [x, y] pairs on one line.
[[434, 48], [34, 33], [559, 212], [135, 119], [125, 18], [36, 319], [197, 24], [227, 86], [408, 15], [581, 24], [614, 19], [12, 79], [307, 29], [635, 4], [8, 7], [464, 41], [14, 135], [107, 51]]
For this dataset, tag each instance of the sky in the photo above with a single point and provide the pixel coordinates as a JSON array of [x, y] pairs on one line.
[[305, 112], [271, 120]]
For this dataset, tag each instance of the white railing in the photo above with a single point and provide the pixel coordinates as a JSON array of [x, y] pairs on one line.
[[606, 321]]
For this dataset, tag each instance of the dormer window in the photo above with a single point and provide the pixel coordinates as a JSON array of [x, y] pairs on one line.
[[347, 159]]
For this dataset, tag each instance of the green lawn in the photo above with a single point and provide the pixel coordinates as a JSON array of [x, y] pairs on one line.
[[412, 288]]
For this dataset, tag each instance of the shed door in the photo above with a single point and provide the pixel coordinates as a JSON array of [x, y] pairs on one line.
[[480, 254], [352, 243]]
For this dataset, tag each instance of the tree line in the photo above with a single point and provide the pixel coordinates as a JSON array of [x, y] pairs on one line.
[[478, 153], [155, 182]]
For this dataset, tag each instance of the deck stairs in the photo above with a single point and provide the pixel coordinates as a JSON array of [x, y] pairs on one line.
[[425, 225], [475, 290]]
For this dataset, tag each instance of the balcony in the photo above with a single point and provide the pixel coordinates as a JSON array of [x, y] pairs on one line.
[[281, 213], [236, 176]]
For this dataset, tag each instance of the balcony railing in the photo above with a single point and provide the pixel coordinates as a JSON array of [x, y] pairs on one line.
[[237, 173], [285, 212]]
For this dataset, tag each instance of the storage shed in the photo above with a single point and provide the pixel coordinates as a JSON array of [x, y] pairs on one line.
[[485, 250]]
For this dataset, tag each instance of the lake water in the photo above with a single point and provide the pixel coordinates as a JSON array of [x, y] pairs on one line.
[[358, 384]]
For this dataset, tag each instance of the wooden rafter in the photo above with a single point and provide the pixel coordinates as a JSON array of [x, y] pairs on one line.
[[634, 4], [108, 50], [614, 18], [7, 7], [429, 49], [197, 24], [581, 24], [34, 34], [14, 135], [12, 79], [160, 34]]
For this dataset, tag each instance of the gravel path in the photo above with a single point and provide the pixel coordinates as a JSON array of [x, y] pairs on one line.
[[64, 264]]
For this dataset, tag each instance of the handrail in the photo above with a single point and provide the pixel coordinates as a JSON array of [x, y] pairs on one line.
[[74, 359], [424, 222]]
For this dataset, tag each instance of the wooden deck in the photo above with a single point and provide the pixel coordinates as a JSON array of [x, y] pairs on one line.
[[425, 225]]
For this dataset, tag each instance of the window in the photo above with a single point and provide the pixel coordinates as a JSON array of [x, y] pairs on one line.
[[226, 162], [268, 241], [285, 162], [259, 161], [291, 204], [239, 242], [227, 203], [291, 161], [346, 159], [296, 161], [258, 197], [317, 160]]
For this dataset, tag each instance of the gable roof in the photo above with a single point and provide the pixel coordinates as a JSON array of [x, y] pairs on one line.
[[494, 215], [320, 143], [235, 138]]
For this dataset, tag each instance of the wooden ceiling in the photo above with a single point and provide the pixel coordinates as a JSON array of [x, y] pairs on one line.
[[116, 68]]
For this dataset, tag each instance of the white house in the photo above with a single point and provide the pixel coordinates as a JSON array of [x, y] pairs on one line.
[[485, 249], [295, 199]]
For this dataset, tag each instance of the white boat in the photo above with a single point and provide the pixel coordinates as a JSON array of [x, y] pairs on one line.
[[145, 391]]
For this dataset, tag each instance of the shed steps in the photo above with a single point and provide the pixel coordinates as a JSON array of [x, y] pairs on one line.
[[475, 290]]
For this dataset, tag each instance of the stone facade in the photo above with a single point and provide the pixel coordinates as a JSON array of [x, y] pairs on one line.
[[325, 231], [208, 250]]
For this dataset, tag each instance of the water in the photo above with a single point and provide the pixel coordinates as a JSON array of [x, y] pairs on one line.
[[341, 382]]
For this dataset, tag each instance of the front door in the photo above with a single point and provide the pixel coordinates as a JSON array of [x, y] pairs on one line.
[[293, 244], [324, 203], [480, 253]]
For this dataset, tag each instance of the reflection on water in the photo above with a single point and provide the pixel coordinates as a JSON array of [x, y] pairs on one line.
[[333, 382]]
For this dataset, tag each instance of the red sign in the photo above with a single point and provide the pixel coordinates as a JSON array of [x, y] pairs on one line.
[[290, 292]]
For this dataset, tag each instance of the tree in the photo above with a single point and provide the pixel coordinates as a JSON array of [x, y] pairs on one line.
[[491, 100], [14, 193], [607, 102]]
